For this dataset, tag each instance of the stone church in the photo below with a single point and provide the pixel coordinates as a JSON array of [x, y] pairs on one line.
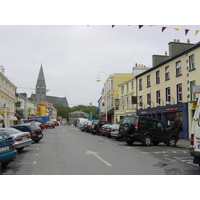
[[40, 92]]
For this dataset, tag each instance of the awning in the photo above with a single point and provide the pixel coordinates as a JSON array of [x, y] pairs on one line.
[[1, 117], [13, 118]]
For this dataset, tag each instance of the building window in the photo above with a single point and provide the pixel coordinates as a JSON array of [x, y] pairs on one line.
[[122, 89], [179, 93], [127, 87], [111, 83], [157, 77], [168, 97], [140, 101], [148, 81], [158, 97], [167, 73], [178, 68], [192, 95], [191, 62], [132, 83], [140, 84], [149, 100]]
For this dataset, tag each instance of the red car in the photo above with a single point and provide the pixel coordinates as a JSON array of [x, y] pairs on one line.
[[56, 123]]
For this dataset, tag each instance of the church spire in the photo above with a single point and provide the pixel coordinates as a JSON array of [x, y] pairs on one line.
[[40, 92]]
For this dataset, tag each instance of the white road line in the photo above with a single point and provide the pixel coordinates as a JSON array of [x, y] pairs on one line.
[[34, 162], [36, 154]]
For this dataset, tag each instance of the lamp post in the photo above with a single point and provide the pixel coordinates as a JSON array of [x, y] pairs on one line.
[[98, 80]]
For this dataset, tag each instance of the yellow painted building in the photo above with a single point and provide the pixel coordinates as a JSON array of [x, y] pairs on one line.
[[110, 96], [128, 94], [7, 100]]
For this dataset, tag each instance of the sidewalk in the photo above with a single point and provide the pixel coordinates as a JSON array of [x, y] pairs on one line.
[[183, 143]]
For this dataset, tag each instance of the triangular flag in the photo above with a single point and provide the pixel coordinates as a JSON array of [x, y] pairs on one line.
[[113, 26], [163, 28], [140, 26], [186, 31], [177, 29], [196, 32]]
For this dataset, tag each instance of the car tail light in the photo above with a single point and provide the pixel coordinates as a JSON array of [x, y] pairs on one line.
[[18, 138], [192, 139], [32, 132], [120, 124], [13, 146], [28, 136]]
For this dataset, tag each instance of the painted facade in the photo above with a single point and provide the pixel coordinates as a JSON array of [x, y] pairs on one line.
[[7, 100]]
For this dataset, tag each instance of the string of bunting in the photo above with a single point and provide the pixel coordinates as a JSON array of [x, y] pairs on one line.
[[163, 28]]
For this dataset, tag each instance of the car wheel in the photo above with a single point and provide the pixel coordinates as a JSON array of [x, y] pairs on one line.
[[146, 140], [5, 164], [171, 142]]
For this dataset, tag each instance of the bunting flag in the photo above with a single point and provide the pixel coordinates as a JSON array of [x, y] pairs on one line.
[[196, 32], [186, 31], [163, 28]]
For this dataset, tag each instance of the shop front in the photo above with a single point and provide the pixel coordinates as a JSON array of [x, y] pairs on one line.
[[175, 117]]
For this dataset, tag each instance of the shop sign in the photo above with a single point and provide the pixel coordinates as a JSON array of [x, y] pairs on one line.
[[194, 104], [156, 111], [116, 102], [172, 109], [144, 112]]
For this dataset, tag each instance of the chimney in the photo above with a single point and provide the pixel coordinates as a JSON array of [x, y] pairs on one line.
[[177, 47]]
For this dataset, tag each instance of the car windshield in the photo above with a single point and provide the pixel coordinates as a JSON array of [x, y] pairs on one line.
[[130, 119], [35, 127]]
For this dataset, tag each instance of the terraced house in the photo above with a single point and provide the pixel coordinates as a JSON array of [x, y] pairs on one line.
[[7, 100], [165, 91]]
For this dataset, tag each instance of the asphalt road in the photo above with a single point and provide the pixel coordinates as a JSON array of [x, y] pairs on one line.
[[66, 150]]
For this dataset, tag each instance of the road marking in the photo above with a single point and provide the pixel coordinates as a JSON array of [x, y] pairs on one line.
[[34, 162], [36, 154], [156, 152], [33, 148], [97, 156]]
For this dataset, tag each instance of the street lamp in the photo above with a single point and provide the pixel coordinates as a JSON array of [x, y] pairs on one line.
[[98, 80]]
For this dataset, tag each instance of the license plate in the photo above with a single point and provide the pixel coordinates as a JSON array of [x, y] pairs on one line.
[[39, 135], [4, 148]]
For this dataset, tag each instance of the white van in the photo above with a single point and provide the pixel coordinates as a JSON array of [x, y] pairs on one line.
[[81, 122], [195, 133]]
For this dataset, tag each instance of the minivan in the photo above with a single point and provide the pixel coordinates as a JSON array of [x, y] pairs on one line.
[[146, 130]]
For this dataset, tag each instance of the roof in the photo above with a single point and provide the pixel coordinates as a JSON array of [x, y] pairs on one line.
[[57, 100]]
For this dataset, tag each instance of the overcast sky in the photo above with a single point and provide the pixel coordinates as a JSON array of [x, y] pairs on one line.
[[73, 55]]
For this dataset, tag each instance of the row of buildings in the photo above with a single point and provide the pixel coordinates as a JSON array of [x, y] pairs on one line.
[[163, 91], [16, 106]]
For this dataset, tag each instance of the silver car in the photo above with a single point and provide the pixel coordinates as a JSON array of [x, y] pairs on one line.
[[21, 139]]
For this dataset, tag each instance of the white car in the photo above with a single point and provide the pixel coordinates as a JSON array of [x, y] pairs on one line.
[[21, 139]]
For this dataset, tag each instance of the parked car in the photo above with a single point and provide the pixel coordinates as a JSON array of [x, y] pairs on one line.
[[146, 130], [81, 122], [21, 139], [32, 128], [42, 126], [101, 130], [50, 124], [110, 128], [56, 123], [7, 149], [87, 126], [115, 132], [96, 125]]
